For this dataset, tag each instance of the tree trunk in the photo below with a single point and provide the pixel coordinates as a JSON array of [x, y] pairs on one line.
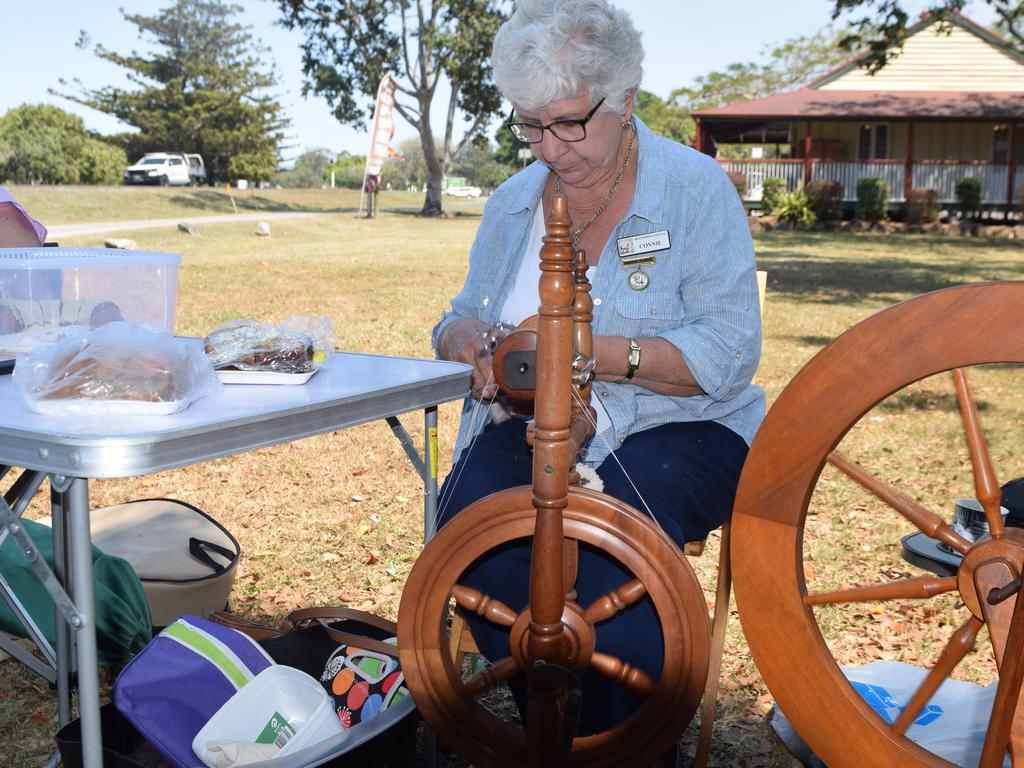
[[432, 202], [435, 175], [435, 167]]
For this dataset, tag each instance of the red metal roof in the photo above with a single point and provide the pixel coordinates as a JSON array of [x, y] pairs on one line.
[[809, 103]]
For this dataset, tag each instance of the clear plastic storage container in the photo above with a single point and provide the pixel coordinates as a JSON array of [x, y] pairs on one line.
[[47, 293]]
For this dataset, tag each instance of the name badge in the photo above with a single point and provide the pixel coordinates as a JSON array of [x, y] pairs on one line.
[[637, 245]]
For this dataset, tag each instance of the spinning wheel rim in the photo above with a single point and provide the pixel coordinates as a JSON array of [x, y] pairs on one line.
[[952, 328], [594, 518]]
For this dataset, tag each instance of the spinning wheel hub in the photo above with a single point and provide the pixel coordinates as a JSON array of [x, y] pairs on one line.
[[577, 639], [1008, 549]]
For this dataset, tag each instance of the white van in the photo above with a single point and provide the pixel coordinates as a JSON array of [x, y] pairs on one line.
[[163, 168]]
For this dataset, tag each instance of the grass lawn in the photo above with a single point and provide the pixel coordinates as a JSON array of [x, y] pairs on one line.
[[338, 518], [76, 205]]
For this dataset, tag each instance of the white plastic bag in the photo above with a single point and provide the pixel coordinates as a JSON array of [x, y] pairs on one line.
[[952, 725], [117, 369]]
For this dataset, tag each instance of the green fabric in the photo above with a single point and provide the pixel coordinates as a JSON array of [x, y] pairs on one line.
[[123, 622]]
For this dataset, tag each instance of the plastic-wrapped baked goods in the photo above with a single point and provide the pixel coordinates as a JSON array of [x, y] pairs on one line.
[[85, 373], [119, 368], [299, 345]]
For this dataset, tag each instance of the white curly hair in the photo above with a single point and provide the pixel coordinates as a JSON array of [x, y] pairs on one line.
[[550, 50]]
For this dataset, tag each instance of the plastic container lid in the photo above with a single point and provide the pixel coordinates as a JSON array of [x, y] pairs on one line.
[[59, 258], [281, 706]]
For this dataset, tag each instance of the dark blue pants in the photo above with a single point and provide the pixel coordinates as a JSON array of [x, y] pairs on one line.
[[687, 473]]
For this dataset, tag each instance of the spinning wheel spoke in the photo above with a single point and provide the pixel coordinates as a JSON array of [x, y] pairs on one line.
[[615, 601], [616, 669], [500, 671], [959, 645], [926, 521], [476, 602], [917, 588], [985, 483]]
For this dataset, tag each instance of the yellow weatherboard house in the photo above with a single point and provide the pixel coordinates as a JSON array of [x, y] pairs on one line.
[[950, 105]]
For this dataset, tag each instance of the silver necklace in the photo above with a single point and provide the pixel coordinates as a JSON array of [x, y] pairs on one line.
[[615, 185]]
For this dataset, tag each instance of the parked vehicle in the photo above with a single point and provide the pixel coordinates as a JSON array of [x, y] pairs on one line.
[[196, 169], [163, 168], [463, 191]]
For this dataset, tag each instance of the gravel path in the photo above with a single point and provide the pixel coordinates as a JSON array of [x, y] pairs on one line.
[[100, 227]]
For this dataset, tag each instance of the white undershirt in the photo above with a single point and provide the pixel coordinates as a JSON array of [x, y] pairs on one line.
[[524, 298]]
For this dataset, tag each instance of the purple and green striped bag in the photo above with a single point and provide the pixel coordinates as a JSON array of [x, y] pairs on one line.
[[181, 678]]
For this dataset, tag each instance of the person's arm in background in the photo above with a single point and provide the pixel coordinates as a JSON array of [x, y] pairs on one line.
[[17, 228]]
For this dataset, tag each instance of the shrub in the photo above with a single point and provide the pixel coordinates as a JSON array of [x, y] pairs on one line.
[[872, 198], [826, 199], [923, 206], [968, 197], [739, 180], [773, 187], [102, 163], [795, 209]]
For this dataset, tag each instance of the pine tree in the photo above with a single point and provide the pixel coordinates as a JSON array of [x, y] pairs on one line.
[[204, 90]]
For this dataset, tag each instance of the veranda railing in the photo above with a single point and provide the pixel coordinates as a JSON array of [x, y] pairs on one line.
[[939, 175]]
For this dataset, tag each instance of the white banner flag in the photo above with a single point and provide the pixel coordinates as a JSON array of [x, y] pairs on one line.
[[383, 127]]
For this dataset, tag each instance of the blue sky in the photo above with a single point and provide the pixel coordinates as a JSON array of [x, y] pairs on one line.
[[682, 39]]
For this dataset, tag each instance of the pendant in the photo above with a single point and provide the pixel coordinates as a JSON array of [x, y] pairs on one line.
[[638, 280]]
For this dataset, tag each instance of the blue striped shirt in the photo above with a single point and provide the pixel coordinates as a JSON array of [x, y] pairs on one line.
[[702, 295]]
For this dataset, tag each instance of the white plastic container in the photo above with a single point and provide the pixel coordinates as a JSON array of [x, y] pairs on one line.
[[281, 705], [46, 293]]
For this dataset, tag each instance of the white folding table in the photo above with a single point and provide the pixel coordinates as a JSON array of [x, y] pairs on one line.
[[351, 389]]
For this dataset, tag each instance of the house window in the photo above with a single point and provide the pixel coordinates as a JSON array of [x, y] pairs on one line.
[[873, 143], [1000, 144]]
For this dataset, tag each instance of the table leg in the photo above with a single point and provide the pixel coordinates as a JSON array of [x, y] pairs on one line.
[[62, 631], [429, 472], [80, 550]]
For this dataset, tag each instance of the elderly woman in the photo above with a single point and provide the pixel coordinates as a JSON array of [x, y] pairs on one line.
[[676, 325]]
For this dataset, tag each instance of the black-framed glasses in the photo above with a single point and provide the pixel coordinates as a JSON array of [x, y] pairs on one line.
[[566, 130]]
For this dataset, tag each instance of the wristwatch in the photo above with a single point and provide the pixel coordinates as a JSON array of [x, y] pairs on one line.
[[633, 361]]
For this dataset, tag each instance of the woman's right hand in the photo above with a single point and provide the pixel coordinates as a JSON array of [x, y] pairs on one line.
[[468, 341]]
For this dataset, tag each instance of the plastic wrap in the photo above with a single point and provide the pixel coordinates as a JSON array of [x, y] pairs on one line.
[[298, 345], [118, 368]]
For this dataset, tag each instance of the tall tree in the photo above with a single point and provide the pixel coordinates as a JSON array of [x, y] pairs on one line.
[[204, 89], [665, 119], [351, 44], [883, 27], [479, 165], [795, 63], [407, 170], [347, 169], [307, 171]]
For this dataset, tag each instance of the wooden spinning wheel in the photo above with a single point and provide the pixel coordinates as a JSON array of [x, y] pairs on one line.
[[553, 640], [947, 330]]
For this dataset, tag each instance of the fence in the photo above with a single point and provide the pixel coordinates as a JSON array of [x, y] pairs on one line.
[[939, 175], [943, 176]]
